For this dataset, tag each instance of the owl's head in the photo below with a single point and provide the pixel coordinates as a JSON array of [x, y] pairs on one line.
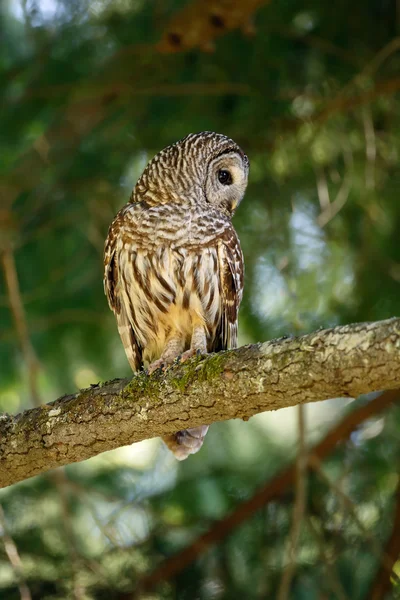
[[203, 168]]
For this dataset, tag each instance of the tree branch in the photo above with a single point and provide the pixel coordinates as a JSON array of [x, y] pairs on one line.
[[299, 510], [342, 362], [382, 582], [271, 491]]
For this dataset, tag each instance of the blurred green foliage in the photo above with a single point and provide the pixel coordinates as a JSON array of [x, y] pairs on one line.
[[87, 99]]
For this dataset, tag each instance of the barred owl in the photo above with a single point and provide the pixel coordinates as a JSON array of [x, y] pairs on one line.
[[173, 266]]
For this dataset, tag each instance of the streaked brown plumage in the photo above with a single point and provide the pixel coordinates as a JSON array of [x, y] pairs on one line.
[[173, 263]]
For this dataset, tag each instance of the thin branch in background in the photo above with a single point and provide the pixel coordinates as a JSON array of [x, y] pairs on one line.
[[37, 233], [299, 509], [331, 209], [375, 545], [54, 276], [14, 558], [398, 16], [123, 90], [345, 102], [270, 491], [70, 316], [59, 478], [20, 321], [322, 189], [370, 148], [95, 236], [382, 582], [380, 57], [32, 363], [42, 147], [343, 97], [327, 562], [315, 41]]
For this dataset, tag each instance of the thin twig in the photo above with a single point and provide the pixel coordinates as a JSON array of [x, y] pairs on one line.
[[382, 584], [331, 574], [370, 148], [315, 463], [70, 316], [59, 478], [20, 321], [33, 366], [14, 558], [298, 510], [322, 189], [331, 209], [380, 57], [367, 72]]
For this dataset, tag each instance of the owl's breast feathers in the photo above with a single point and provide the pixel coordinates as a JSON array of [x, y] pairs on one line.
[[168, 268]]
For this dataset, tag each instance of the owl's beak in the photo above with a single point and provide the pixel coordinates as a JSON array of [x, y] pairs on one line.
[[233, 206]]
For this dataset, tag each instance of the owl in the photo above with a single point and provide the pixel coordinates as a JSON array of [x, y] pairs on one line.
[[173, 266]]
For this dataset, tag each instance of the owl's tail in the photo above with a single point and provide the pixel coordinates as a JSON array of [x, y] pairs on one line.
[[187, 441]]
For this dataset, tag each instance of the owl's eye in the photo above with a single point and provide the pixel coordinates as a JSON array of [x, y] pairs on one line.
[[224, 177]]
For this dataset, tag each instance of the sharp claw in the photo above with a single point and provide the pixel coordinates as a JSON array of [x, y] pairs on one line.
[[156, 367]]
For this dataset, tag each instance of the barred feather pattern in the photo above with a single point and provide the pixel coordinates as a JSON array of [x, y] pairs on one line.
[[173, 263]]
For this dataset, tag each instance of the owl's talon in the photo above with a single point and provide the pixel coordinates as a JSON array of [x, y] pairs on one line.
[[157, 365], [189, 354]]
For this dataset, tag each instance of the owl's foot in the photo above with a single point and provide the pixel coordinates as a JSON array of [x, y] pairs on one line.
[[189, 354], [172, 350], [186, 442], [161, 363]]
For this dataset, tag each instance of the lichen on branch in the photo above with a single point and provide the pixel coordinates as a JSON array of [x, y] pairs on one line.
[[345, 361]]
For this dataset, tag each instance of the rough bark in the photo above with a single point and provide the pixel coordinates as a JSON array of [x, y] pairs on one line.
[[342, 362]]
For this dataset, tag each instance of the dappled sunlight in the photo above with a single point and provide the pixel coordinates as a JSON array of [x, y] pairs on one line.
[[302, 502]]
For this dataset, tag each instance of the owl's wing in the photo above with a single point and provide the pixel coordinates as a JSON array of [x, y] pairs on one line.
[[231, 268], [126, 331]]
